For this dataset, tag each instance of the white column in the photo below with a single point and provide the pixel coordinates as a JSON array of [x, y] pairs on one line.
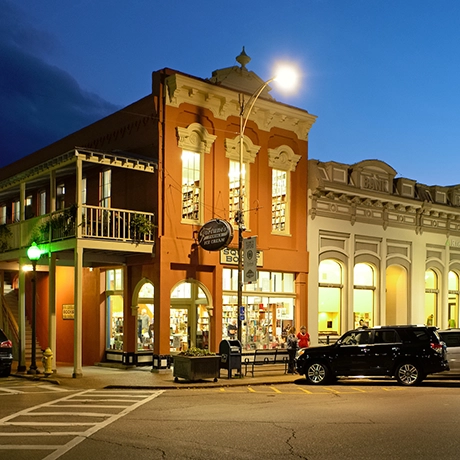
[[52, 307], [22, 316], [78, 305]]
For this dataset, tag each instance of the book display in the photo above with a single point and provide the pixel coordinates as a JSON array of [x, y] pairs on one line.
[[191, 201]]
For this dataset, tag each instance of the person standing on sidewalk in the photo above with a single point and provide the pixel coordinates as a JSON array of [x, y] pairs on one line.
[[292, 345], [304, 337]]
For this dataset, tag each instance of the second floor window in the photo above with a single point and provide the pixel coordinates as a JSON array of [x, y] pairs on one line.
[[3, 215], [42, 203], [105, 188], [60, 196], [279, 200], [234, 183], [191, 185], [16, 211]]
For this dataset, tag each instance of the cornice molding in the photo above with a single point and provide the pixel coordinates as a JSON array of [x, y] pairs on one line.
[[224, 103]]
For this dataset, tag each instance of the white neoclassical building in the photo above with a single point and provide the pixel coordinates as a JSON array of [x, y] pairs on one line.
[[383, 250]]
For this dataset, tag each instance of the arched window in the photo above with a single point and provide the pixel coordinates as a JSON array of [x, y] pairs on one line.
[[431, 297], [145, 318], [189, 317], [454, 292], [329, 297], [363, 295]]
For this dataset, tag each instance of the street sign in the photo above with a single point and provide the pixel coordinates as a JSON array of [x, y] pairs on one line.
[[250, 259]]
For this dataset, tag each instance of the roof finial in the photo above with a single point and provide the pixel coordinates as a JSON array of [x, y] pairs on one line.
[[243, 59]]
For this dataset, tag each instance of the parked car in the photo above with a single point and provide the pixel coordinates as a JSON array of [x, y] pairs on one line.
[[6, 355], [407, 353], [451, 337]]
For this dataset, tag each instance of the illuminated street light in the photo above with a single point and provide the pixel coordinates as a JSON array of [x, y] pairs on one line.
[[287, 77], [33, 253]]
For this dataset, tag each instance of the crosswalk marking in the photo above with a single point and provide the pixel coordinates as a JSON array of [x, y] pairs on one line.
[[90, 419]]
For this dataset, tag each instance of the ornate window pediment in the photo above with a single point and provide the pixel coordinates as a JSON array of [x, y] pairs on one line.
[[283, 157], [195, 138], [250, 150]]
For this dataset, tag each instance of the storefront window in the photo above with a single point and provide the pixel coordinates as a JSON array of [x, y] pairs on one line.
[[452, 318], [363, 295], [267, 317], [329, 297], [145, 318], [114, 305], [431, 297], [189, 317]]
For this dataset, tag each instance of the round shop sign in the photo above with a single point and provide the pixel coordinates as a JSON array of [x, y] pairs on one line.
[[215, 235]]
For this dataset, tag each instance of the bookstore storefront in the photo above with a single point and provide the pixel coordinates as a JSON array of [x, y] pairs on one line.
[[269, 308]]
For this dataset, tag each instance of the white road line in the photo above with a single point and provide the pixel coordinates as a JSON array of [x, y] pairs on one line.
[[69, 401]]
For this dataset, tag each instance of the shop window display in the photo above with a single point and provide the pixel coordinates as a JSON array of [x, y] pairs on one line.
[[114, 303], [329, 298], [267, 317], [363, 295]]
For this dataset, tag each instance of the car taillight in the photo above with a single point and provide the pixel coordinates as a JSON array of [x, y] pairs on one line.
[[6, 344], [437, 347]]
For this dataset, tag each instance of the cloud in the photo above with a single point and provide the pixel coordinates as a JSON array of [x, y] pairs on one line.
[[39, 103]]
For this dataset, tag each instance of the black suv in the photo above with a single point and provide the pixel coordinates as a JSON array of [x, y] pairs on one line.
[[408, 353]]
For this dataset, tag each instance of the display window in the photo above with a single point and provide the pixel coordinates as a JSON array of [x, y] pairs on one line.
[[267, 317], [431, 297], [145, 318], [330, 297], [114, 307], [189, 317], [454, 292], [363, 295]]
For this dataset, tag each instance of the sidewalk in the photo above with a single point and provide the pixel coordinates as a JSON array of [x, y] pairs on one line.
[[119, 376], [115, 376]]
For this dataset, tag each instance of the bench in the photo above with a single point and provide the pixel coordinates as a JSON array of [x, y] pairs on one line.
[[262, 357]]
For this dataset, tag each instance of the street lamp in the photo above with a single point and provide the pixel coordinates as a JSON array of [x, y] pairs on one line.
[[287, 77], [33, 253]]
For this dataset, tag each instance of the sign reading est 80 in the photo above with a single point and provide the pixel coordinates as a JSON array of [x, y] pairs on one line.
[[229, 256]]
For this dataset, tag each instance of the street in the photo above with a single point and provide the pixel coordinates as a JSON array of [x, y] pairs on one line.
[[355, 419]]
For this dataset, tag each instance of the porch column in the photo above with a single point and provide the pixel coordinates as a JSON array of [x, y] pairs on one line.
[[22, 317], [78, 305], [52, 307]]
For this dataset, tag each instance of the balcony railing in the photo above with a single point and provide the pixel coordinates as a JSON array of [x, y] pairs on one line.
[[96, 222]]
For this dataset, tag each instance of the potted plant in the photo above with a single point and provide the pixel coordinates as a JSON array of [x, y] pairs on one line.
[[140, 226], [196, 364]]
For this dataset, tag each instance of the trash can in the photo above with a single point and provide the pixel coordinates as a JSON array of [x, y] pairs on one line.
[[230, 356]]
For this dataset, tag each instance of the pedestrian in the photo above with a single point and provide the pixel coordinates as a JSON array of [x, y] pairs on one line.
[[292, 345], [304, 338]]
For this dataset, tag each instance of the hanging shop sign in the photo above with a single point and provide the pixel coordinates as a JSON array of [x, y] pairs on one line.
[[215, 235]]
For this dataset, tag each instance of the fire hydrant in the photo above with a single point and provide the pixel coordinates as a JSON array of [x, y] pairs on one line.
[[47, 361]]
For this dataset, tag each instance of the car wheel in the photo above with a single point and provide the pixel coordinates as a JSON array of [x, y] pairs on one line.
[[408, 374], [317, 373], [6, 372]]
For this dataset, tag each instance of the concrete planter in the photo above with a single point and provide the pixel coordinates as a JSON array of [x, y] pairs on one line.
[[196, 367]]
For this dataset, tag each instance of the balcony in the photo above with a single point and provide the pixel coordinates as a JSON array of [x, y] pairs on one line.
[[98, 223]]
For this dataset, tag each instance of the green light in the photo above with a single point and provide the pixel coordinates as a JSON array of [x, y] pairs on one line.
[[34, 252]]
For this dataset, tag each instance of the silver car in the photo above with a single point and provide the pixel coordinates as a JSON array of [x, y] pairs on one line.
[[451, 337]]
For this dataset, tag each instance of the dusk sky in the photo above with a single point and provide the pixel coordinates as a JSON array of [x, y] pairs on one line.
[[382, 76]]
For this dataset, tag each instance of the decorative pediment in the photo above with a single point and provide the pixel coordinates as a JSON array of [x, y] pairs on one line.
[[195, 138], [284, 158], [373, 175], [250, 150]]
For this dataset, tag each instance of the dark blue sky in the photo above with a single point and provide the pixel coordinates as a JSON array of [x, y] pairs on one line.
[[381, 75]]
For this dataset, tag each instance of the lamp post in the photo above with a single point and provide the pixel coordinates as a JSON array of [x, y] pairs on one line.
[[288, 78], [33, 253]]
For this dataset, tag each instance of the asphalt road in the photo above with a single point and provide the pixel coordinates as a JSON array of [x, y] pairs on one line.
[[352, 420]]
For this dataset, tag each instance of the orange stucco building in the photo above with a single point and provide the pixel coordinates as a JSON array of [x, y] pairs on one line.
[[117, 209]]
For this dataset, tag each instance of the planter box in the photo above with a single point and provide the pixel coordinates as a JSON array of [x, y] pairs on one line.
[[196, 367]]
